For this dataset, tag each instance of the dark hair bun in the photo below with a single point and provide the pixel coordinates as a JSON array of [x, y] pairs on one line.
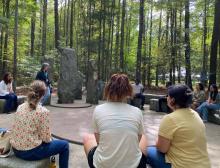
[[182, 95]]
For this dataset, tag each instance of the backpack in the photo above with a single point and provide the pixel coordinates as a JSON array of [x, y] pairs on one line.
[[5, 146]]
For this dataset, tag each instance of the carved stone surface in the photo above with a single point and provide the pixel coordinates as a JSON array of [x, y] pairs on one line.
[[70, 80], [92, 84]]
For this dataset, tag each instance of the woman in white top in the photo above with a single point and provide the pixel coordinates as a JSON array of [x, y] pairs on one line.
[[7, 93], [118, 140]]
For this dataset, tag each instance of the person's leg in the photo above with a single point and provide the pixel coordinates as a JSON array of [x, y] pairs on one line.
[[8, 104], [46, 150], [209, 107], [199, 109], [156, 159], [89, 142], [142, 99], [46, 96]]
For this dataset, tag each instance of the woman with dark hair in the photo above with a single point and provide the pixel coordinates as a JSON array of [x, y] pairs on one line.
[[43, 76], [181, 138], [31, 136], [198, 96], [213, 103], [118, 139], [7, 93]]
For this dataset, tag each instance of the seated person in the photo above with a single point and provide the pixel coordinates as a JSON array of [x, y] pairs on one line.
[[213, 103], [7, 93], [31, 136], [118, 140], [181, 138], [138, 90], [198, 96], [164, 100]]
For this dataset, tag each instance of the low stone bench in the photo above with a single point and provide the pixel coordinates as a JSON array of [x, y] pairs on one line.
[[214, 116], [21, 99], [151, 96], [14, 162], [135, 102], [154, 104]]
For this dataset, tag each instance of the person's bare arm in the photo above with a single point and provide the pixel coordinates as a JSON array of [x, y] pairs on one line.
[[163, 144], [97, 137]]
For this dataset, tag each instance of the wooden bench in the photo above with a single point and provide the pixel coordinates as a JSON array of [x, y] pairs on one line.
[[135, 102], [214, 116], [14, 162], [21, 99]]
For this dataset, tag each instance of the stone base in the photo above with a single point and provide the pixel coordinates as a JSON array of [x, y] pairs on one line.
[[21, 99], [135, 102], [154, 104], [214, 116], [14, 162], [151, 96]]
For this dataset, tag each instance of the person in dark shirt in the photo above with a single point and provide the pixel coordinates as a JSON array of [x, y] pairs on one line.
[[42, 75]]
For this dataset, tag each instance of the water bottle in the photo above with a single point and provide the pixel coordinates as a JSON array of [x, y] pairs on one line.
[[53, 162]]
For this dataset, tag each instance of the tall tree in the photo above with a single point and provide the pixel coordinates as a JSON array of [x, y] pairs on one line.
[[15, 44], [187, 46], [205, 54], [150, 46], [44, 30], [56, 25], [33, 20], [117, 36], [5, 53], [122, 35], [158, 44], [214, 44], [71, 22], [140, 37]]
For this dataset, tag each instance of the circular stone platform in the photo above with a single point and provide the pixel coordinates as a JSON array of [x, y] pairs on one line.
[[76, 104], [72, 124]]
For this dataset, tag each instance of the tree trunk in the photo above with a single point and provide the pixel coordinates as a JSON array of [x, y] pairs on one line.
[[100, 41], [15, 45], [179, 49], [150, 46], [1, 39], [187, 43], [205, 54], [67, 23], [117, 36], [214, 44], [71, 22], [44, 30], [5, 53], [158, 45], [56, 25], [33, 20], [140, 36], [122, 36]]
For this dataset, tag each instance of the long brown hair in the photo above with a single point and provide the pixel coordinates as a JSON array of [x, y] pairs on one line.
[[5, 78], [118, 88], [37, 90]]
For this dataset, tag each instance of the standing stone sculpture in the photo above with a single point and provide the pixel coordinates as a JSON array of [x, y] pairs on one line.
[[70, 79], [92, 88]]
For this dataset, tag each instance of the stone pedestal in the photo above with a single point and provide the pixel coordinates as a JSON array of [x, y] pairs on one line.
[[14, 162], [92, 84], [70, 81]]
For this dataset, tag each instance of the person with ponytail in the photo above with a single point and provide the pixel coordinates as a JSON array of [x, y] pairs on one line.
[[181, 138], [31, 136], [118, 139]]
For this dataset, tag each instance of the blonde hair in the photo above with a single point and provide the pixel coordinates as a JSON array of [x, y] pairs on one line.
[[37, 90]]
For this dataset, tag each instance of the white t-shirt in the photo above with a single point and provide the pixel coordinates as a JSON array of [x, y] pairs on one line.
[[137, 88], [118, 126], [5, 89]]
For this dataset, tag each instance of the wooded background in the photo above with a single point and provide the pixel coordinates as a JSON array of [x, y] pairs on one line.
[[153, 40]]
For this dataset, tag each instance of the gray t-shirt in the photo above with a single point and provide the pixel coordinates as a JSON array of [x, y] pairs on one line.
[[118, 125]]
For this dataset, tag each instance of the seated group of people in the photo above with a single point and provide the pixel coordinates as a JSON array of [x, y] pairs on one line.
[[201, 105], [119, 139], [7, 93]]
